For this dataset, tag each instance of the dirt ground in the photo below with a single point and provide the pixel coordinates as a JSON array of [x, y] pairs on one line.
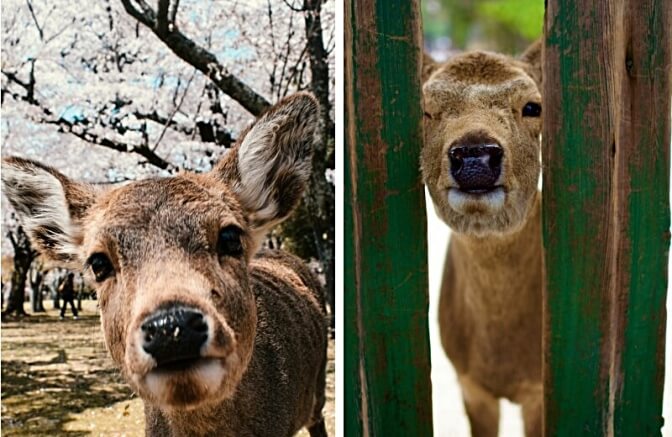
[[57, 379]]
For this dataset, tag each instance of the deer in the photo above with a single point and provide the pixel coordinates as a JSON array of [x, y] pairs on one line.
[[480, 161], [215, 334]]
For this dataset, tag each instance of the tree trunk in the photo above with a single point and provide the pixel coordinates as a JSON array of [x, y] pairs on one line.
[[321, 193], [55, 295], [36, 278], [56, 299], [18, 291], [23, 258], [80, 293]]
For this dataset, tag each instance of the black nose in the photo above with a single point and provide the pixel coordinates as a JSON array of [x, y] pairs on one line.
[[476, 167], [174, 335]]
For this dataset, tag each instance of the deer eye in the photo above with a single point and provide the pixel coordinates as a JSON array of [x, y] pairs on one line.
[[228, 242], [531, 109], [101, 266]]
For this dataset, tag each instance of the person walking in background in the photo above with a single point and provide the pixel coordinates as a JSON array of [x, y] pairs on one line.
[[67, 291]]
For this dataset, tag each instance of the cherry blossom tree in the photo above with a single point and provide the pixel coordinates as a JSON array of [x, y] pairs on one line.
[[117, 90]]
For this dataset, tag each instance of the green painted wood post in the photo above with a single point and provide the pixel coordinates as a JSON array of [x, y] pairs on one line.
[[387, 364], [606, 214]]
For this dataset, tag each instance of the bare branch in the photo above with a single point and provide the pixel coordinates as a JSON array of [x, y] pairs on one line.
[[28, 86], [172, 12], [165, 121], [32, 14], [207, 132], [200, 58], [162, 25], [60, 31], [292, 7], [12, 240], [110, 18], [146, 16], [177, 107], [86, 135], [297, 71]]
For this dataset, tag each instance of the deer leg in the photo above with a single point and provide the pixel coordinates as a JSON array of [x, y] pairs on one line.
[[482, 408], [533, 413], [317, 427]]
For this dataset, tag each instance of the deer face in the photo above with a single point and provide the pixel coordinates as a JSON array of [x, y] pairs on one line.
[[169, 257], [481, 155]]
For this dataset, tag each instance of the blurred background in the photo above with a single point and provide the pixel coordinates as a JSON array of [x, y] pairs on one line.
[[90, 89], [505, 26]]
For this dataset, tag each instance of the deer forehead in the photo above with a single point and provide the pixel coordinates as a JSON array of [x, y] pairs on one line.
[[476, 78], [458, 97], [180, 211]]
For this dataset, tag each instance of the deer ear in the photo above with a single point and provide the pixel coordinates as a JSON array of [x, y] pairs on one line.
[[429, 66], [532, 58], [49, 205], [270, 167]]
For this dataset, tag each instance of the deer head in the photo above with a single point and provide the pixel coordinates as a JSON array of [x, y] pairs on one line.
[[169, 256], [481, 154]]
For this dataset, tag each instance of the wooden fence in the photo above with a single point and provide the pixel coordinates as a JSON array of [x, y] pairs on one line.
[[606, 153]]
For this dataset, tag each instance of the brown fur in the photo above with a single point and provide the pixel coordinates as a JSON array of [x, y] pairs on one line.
[[490, 305], [262, 369]]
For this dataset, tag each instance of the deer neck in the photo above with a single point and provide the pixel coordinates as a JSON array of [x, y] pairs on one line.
[[501, 271]]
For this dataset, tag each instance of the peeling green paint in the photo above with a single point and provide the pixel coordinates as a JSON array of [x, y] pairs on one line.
[[606, 215], [388, 389]]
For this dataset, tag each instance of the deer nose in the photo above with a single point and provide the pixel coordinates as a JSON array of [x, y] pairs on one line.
[[476, 167], [174, 335]]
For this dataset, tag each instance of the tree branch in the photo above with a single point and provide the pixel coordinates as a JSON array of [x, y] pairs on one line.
[[12, 240], [32, 14], [292, 7], [146, 16], [78, 128], [172, 12], [197, 56], [172, 115], [165, 121], [90, 137], [162, 24]]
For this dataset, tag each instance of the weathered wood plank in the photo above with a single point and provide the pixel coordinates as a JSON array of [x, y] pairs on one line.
[[577, 159], [388, 374], [643, 216], [606, 214]]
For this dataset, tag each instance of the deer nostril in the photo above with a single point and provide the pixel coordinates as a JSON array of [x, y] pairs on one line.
[[495, 154], [456, 156], [197, 323]]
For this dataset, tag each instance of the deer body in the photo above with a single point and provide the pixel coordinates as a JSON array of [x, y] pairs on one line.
[[480, 162], [216, 337], [490, 318]]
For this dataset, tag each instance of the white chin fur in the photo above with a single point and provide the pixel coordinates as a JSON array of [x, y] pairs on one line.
[[208, 374], [462, 202]]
